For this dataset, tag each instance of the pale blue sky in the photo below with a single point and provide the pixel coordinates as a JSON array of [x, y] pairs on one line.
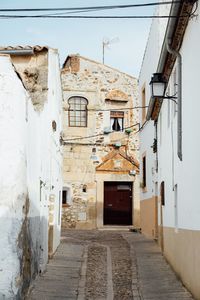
[[82, 36]]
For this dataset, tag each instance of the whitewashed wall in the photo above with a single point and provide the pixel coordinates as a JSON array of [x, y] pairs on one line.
[[45, 171], [180, 214], [149, 66], [55, 114], [186, 173], [30, 178], [13, 188]]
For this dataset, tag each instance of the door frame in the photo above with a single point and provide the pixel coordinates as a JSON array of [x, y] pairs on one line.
[[115, 183], [100, 179]]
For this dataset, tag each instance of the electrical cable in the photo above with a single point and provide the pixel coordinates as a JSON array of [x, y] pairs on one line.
[[92, 17], [102, 134], [99, 134], [115, 109], [96, 144], [143, 125], [88, 7], [71, 10]]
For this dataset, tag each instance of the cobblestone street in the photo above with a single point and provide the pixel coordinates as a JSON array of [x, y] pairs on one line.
[[107, 265]]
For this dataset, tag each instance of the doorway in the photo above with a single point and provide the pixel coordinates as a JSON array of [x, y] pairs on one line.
[[118, 203]]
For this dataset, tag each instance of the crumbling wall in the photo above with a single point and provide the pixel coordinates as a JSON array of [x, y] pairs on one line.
[[34, 73], [14, 256], [29, 172], [24, 253]]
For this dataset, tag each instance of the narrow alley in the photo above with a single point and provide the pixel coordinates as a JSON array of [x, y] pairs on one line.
[[107, 265], [99, 154]]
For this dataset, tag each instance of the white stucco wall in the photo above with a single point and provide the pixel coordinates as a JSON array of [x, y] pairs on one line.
[[30, 178], [167, 157], [12, 175], [149, 66], [179, 217], [45, 172], [186, 173], [55, 114]]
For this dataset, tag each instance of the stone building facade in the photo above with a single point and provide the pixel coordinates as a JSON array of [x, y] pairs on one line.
[[100, 124]]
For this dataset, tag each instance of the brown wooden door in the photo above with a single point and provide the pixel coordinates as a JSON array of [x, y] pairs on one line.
[[117, 203]]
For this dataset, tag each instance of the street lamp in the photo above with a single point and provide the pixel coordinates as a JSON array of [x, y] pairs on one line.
[[158, 86]]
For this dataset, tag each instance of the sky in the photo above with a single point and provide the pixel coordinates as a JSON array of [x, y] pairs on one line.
[[83, 36]]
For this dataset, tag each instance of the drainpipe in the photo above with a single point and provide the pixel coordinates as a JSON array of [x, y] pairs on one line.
[[179, 99]]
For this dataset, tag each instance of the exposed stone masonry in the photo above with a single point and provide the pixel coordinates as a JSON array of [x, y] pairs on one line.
[[105, 89], [34, 74]]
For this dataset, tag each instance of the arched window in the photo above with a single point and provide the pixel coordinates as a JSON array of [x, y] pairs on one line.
[[77, 112]]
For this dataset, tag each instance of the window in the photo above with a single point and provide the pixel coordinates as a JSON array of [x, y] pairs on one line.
[[84, 188], [144, 183], [77, 112], [117, 120], [64, 197], [162, 193], [143, 105]]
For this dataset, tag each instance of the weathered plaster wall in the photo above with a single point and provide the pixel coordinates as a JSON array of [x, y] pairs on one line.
[[45, 172], [14, 201], [33, 70], [103, 87], [31, 175], [55, 149]]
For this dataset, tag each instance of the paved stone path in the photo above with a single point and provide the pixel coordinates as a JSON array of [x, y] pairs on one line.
[[107, 265]]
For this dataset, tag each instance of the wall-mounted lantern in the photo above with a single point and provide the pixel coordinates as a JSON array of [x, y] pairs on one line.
[[158, 86]]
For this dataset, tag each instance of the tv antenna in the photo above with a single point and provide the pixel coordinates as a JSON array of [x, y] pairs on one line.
[[107, 42]]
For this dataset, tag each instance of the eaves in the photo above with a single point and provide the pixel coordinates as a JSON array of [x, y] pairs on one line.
[[174, 34]]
